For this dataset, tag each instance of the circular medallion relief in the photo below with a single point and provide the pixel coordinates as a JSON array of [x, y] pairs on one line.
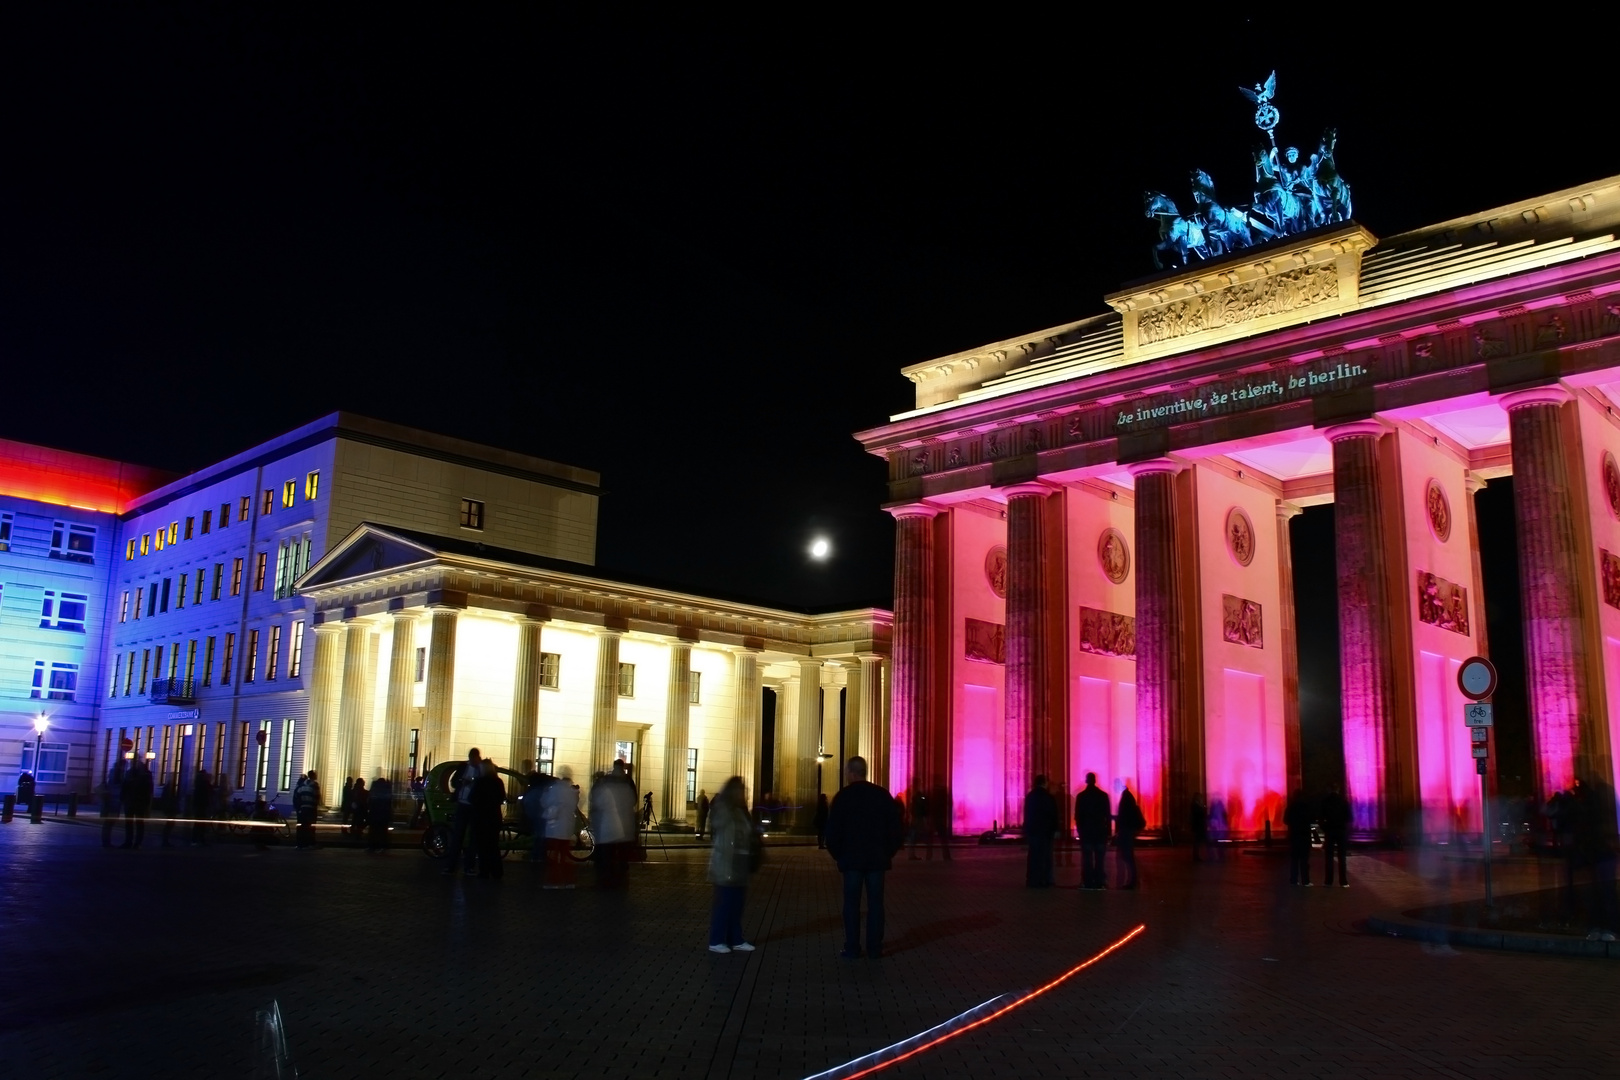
[[1113, 555], [1611, 482], [1240, 535], [995, 570], [1439, 507]]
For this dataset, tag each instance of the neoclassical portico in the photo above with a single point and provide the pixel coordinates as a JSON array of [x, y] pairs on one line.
[[1093, 558], [426, 646]]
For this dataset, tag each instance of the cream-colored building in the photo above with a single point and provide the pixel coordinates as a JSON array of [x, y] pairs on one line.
[[428, 645]]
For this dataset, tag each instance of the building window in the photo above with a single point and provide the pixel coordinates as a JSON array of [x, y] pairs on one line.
[[295, 661], [550, 669], [180, 593], [5, 535], [208, 522], [208, 665], [57, 683], [146, 664], [146, 543], [272, 658], [219, 577], [245, 508], [174, 532], [289, 728], [421, 664], [236, 577], [289, 494], [123, 607], [312, 486], [200, 576], [52, 764], [162, 771], [696, 697], [129, 674], [472, 514], [129, 552], [73, 543], [64, 612], [118, 663], [261, 774], [140, 592], [191, 524], [163, 601], [416, 748], [162, 538], [691, 774], [191, 661], [224, 514], [174, 662], [250, 663], [627, 680], [151, 600], [157, 663], [546, 760], [269, 503], [219, 749], [292, 560], [241, 756], [261, 562], [227, 660]]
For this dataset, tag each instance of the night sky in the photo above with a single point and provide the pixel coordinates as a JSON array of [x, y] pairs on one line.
[[693, 256]]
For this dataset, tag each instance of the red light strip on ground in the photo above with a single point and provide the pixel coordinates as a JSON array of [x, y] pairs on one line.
[[977, 1016]]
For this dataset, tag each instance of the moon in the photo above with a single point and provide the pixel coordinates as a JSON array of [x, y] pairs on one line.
[[820, 548]]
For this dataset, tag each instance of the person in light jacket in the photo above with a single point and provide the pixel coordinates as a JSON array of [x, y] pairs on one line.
[[731, 860], [613, 822], [561, 802]]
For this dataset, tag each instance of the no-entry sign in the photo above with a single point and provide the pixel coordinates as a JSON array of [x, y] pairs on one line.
[[1477, 678]]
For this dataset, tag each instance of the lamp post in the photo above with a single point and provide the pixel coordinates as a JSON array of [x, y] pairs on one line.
[[41, 722]]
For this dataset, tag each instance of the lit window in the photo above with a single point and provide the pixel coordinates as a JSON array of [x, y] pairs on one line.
[[219, 578], [264, 754], [546, 759], [250, 666], [123, 608], [200, 576], [696, 697], [129, 675], [241, 755], [245, 509], [174, 662], [227, 660], [550, 669], [288, 729], [56, 684], [191, 524], [129, 552], [272, 659], [295, 659], [312, 486], [191, 661], [421, 664], [5, 535], [180, 594], [260, 564], [162, 539], [73, 543], [219, 750], [140, 590], [224, 514], [208, 663], [627, 680], [691, 774], [269, 500], [289, 493], [208, 522], [146, 664], [146, 543], [236, 577], [472, 514], [174, 532], [118, 664], [53, 762], [64, 612]]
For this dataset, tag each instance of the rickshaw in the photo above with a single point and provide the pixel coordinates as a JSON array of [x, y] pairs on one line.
[[439, 805]]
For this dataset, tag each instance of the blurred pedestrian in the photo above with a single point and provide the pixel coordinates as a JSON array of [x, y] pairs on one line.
[[613, 822], [1040, 826], [1092, 822], [702, 813], [864, 831], [359, 807], [461, 784], [1336, 835], [1128, 825], [561, 804], [112, 795], [202, 799], [821, 820], [306, 803], [1198, 822], [731, 860], [343, 803], [1297, 820], [489, 812], [379, 815], [533, 803], [136, 795]]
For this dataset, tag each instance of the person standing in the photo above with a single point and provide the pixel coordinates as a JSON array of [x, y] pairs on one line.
[[1092, 821], [306, 802], [202, 798], [864, 831], [1198, 822], [359, 807], [136, 794], [112, 794], [561, 804], [821, 820], [343, 804], [613, 822], [731, 860], [461, 782], [489, 810], [1128, 825], [1297, 820], [533, 802], [379, 815], [702, 813], [1040, 826], [1336, 834]]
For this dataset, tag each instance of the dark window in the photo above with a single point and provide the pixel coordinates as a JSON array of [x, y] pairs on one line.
[[163, 603], [208, 522]]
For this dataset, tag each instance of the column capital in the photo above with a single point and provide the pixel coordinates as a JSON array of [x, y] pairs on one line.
[[327, 628], [1538, 395], [1287, 510], [911, 510], [870, 657], [406, 614], [810, 661], [1371, 426], [1029, 487], [536, 613], [1156, 465], [1473, 482]]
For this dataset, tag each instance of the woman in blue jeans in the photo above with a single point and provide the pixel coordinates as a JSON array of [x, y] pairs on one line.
[[730, 863]]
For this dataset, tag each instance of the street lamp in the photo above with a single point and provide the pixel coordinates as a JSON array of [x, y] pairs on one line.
[[41, 722]]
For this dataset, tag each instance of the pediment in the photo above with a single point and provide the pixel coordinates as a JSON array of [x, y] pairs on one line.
[[365, 552]]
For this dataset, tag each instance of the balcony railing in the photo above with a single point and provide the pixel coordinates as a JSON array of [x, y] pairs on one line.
[[173, 692]]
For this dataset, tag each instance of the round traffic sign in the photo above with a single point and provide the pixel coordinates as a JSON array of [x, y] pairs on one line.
[[1477, 678]]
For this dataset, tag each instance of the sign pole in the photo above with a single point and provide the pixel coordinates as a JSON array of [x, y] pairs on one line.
[[1477, 681], [1485, 830]]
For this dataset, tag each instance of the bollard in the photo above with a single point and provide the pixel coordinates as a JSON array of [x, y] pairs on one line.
[[73, 804], [36, 810], [7, 808]]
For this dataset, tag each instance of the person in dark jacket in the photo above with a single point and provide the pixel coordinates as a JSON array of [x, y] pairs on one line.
[[1128, 825], [702, 813], [379, 815], [1092, 821], [489, 809], [359, 807], [1297, 819], [1336, 834], [864, 832], [343, 803], [1040, 826], [306, 804], [202, 799], [820, 821], [112, 793], [137, 798]]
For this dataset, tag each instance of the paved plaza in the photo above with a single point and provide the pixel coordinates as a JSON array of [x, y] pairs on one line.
[[153, 962]]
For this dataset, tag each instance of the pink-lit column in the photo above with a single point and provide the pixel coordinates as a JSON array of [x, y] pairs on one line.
[[1544, 510], [1026, 712], [1158, 629], [1287, 621], [1366, 649], [913, 620]]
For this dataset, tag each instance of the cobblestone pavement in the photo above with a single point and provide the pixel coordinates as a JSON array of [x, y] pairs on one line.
[[152, 962]]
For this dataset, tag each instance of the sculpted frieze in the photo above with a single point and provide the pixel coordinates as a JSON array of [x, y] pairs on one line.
[[1240, 303]]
